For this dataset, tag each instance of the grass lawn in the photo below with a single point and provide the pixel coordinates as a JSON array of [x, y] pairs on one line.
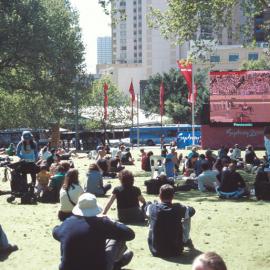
[[237, 230]]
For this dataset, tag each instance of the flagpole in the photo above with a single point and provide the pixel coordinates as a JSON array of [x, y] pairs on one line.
[[193, 106], [132, 124], [138, 123]]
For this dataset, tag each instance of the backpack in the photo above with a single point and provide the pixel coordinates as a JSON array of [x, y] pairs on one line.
[[153, 185], [168, 232]]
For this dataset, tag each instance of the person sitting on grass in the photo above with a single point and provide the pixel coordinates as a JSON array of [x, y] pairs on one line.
[[189, 166], [198, 164], [262, 184], [69, 194], [126, 157], [92, 241], [210, 157], [10, 151], [236, 153], [128, 199], [105, 168], [115, 164], [54, 165], [94, 183], [207, 180], [101, 153], [169, 225], [43, 178], [55, 184], [232, 184], [251, 157], [5, 247], [209, 261], [146, 164]]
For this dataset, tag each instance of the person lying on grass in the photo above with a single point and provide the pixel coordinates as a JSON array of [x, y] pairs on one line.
[[169, 225], [128, 199]]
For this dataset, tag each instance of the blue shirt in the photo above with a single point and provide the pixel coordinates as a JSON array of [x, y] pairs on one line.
[[94, 183]]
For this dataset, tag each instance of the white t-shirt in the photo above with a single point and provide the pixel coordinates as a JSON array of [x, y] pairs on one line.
[[74, 193]]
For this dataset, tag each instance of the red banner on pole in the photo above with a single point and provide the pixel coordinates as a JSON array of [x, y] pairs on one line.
[[161, 98], [186, 71], [131, 91], [105, 88]]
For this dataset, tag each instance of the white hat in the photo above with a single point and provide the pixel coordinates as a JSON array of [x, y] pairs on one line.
[[87, 206]]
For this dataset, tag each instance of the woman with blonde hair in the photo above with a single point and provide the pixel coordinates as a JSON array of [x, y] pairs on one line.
[[69, 194]]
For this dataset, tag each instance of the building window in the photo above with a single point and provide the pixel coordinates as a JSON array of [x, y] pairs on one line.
[[253, 56], [233, 57], [214, 58]]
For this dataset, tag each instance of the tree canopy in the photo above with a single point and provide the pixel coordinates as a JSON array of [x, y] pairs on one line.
[[41, 56], [118, 104], [176, 96]]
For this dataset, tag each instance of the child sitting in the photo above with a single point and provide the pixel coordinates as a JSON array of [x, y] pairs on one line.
[[43, 178]]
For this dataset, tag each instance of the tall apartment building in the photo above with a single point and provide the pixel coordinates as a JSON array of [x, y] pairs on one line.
[[133, 42], [104, 50]]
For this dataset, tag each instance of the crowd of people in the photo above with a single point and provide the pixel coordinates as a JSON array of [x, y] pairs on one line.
[[91, 240], [241, 84]]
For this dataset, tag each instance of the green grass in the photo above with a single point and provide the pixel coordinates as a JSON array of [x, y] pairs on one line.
[[238, 230]]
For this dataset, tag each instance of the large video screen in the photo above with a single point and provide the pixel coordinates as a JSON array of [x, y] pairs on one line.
[[240, 97]]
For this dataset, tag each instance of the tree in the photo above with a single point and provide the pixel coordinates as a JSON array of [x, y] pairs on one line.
[[118, 103], [41, 55], [261, 64], [175, 96], [182, 19]]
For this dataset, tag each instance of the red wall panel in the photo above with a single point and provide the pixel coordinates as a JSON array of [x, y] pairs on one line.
[[215, 137]]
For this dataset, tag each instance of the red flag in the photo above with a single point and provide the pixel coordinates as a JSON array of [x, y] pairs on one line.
[[105, 88], [161, 98], [186, 71], [131, 91]]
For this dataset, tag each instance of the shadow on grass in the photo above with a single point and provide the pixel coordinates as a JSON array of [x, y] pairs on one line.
[[187, 257], [4, 256], [198, 196]]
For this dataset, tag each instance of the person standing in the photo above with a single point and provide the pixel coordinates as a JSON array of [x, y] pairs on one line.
[[28, 153], [91, 241], [267, 142]]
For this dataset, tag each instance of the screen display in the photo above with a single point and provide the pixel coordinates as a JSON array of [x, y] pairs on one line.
[[240, 97]]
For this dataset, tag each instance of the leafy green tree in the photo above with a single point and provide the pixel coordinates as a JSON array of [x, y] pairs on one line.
[[182, 19], [118, 105], [176, 96], [41, 55], [261, 64]]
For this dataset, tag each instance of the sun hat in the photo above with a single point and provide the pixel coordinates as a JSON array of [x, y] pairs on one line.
[[27, 135], [87, 206]]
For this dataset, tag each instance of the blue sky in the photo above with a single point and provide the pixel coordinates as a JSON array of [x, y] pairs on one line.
[[94, 23]]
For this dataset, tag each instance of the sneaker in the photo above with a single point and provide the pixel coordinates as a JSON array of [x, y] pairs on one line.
[[189, 244], [125, 260]]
